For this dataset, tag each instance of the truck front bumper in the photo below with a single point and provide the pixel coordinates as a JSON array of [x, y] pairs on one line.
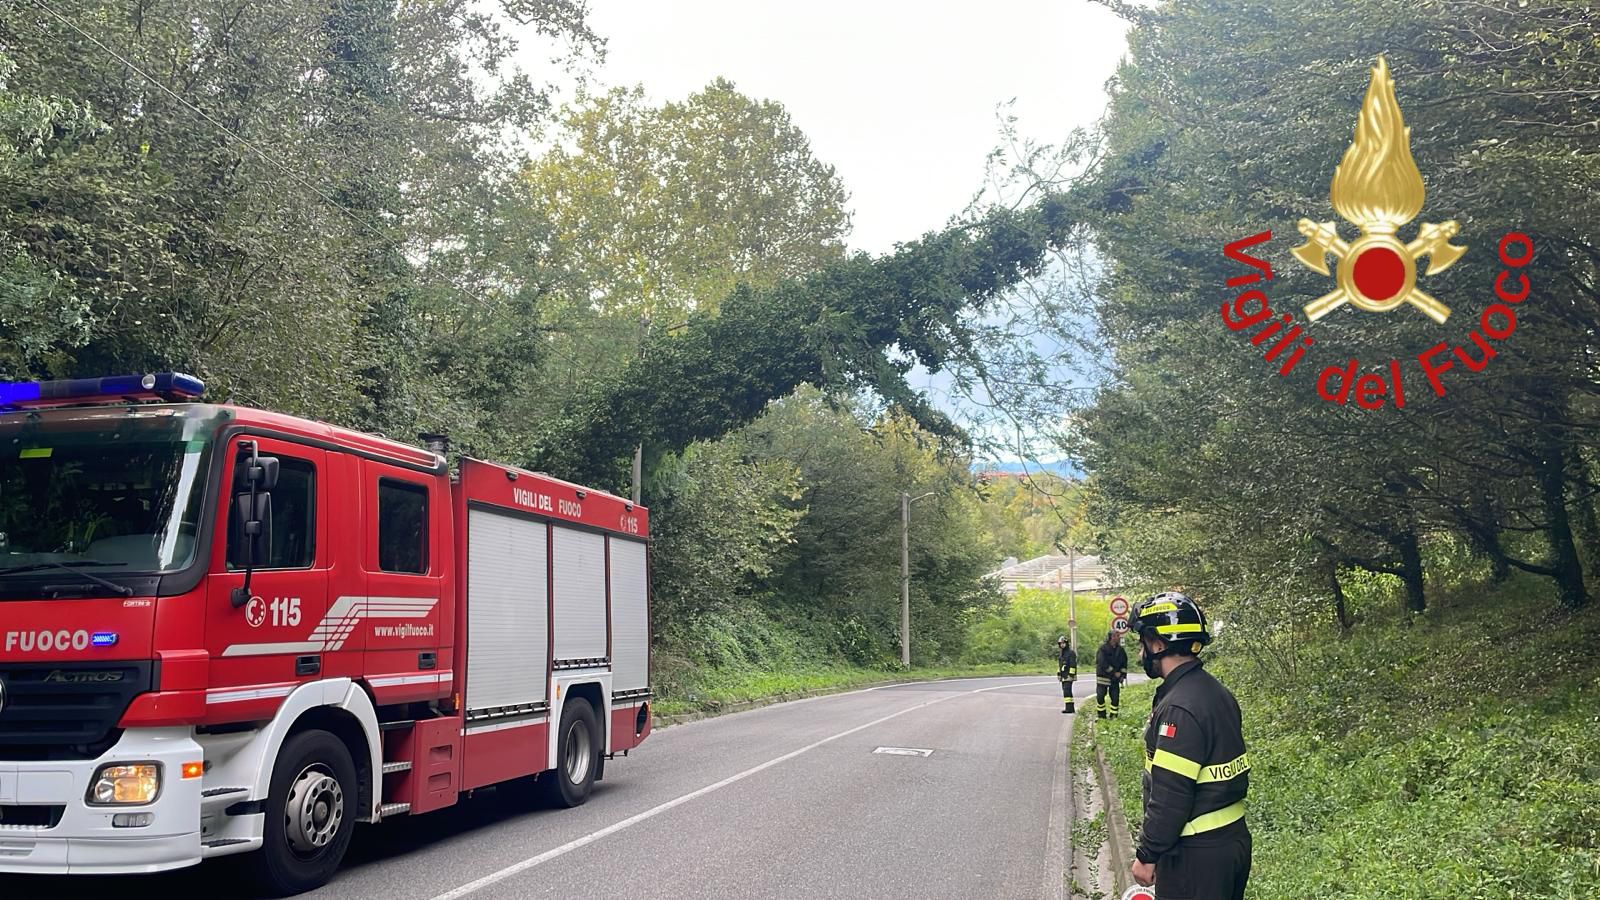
[[83, 838]]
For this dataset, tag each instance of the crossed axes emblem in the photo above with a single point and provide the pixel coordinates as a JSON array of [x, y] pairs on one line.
[[1432, 241]]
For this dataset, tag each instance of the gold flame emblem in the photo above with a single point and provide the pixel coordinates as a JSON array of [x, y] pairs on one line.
[[1378, 189]]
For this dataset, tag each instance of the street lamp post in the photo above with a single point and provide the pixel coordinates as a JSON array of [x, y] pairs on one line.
[[1072, 594], [905, 575]]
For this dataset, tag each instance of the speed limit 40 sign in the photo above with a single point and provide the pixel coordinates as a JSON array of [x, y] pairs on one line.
[[1120, 624]]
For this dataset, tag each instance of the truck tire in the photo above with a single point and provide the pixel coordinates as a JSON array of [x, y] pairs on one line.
[[311, 813], [577, 757]]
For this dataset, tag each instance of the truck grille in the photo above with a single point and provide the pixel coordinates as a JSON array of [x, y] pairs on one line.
[[67, 710]]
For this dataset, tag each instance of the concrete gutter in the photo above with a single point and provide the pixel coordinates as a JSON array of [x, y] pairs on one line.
[[1119, 837], [1058, 851]]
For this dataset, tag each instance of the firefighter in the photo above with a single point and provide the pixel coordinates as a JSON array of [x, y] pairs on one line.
[[1110, 668], [1067, 671], [1194, 841]]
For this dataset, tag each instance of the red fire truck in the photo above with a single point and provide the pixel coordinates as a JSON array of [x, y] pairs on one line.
[[232, 631]]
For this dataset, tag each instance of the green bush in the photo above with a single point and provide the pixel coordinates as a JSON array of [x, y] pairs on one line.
[[1026, 628]]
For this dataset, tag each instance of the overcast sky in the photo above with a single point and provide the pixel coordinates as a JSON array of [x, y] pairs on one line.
[[900, 96]]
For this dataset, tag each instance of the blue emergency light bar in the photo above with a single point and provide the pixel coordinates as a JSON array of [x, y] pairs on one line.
[[171, 386]]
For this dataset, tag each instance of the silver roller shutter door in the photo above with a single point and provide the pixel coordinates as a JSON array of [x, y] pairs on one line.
[[580, 593], [630, 616], [507, 610]]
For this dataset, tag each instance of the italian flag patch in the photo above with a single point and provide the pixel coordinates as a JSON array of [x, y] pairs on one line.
[[1169, 730]]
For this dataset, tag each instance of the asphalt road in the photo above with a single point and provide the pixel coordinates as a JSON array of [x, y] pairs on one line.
[[788, 801]]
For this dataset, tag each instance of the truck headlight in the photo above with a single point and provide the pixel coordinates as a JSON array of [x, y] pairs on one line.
[[125, 784]]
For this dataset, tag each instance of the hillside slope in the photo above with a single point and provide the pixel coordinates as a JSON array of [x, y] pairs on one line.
[[1452, 757]]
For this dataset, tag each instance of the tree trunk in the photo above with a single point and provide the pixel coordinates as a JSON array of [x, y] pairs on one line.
[[1585, 523], [1483, 531], [1552, 474], [1499, 569], [1341, 615], [1411, 569]]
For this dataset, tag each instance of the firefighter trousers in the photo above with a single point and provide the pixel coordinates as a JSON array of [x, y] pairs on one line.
[[1210, 867], [1066, 692], [1102, 687]]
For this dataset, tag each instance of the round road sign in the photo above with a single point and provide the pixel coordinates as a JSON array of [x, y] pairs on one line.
[[1119, 606], [1120, 624], [1138, 892]]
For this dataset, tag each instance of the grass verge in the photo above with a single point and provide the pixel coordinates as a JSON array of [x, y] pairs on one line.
[[710, 690], [1123, 740]]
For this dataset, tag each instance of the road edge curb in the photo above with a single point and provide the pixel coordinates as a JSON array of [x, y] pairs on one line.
[[1118, 835]]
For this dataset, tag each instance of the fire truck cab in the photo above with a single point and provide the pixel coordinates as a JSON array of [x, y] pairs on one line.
[[227, 631]]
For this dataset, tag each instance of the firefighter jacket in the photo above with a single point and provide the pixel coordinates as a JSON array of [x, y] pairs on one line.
[[1196, 770], [1068, 661], [1110, 661]]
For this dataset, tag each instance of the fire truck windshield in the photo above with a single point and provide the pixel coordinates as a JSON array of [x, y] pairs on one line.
[[108, 493]]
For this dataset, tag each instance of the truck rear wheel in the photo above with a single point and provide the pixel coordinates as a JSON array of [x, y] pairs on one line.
[[577, 757], [311, 813]]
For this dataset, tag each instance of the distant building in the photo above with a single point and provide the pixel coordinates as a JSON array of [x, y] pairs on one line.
[[1055, 572]]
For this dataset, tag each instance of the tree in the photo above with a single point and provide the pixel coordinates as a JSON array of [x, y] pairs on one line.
[[843, 566], [320, 237], [656, 212], [648, 213], [857, 324], [1208, 142], [1028, 514], [40, 313], [721, 526]]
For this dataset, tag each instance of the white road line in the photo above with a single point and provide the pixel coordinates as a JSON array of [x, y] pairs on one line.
[[472, 887]]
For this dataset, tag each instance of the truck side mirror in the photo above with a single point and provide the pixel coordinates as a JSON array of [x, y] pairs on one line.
[[255, 477], [253, 513], [256, 526], [259, 471]]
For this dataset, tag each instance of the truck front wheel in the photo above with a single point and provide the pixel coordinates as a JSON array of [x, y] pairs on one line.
[[311, 813], [577, 757]]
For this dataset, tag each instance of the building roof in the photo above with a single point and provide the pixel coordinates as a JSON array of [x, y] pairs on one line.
[[1055, 571]]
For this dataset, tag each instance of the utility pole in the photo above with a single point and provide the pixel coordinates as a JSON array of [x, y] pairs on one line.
[[905, 574], [1072, 597], [905, 580], [638, 449], [638, 470]]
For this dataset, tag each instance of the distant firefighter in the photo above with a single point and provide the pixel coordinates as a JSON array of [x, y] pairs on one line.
[[1067, 671], [1110, 669]]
